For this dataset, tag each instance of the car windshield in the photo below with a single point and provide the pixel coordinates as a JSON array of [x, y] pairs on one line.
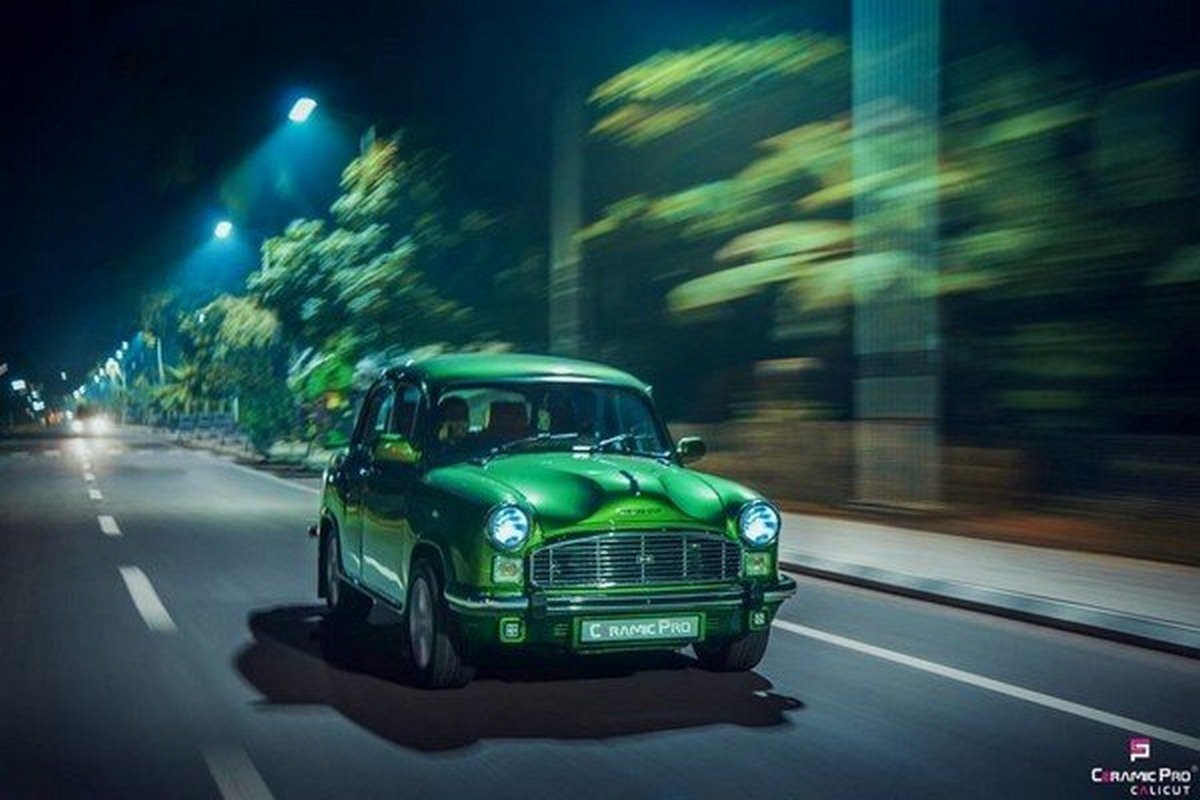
[[485, 421]]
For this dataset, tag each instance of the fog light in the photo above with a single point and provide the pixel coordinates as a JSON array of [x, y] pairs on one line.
[[758, 619], [757, 564], [507, 570], [512, 629]]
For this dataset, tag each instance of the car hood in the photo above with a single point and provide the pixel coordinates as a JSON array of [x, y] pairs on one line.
[[575, 491]]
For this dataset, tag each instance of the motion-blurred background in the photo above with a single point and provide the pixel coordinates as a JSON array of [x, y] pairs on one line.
[[931, 260]]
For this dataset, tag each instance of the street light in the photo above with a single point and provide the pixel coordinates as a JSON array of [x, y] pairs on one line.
[[223, 229], [302, 109]]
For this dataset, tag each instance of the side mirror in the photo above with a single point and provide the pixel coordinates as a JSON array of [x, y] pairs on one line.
[[691, 448], [392, 448]]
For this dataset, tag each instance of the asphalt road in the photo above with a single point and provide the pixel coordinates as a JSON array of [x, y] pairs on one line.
[[162, 639]]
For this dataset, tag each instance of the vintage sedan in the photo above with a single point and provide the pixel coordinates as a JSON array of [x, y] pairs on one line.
[[503, 501]]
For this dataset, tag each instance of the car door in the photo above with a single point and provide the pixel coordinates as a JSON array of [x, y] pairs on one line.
[[387, 533], [373, 422]]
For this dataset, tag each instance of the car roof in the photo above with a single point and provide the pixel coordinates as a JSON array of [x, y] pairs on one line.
[[466, 367]]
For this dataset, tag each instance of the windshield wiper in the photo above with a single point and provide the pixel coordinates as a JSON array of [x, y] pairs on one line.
[[544, 436], [625, 437]]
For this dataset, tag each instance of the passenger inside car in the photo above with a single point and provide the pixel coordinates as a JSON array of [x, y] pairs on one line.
[[506, 420]]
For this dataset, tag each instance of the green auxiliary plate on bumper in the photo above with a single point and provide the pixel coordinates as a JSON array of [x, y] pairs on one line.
[[674, 627]]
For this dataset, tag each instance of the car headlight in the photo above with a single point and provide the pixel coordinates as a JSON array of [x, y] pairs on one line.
[[758, 522], [76, 426], [508, 527]]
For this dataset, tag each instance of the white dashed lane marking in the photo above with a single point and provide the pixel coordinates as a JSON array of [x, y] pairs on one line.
[[234, 774], [992, 685], [95, 494], [89, 477], [109, 525], [145, 599]]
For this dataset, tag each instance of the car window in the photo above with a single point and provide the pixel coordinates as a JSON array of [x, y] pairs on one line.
[[407, 409], [376, 416], [471, 421], [632, 415]]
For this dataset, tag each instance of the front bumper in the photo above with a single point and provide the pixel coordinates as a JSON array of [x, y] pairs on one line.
[[553, 619]]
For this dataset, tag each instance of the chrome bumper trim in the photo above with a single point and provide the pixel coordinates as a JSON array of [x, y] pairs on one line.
[[785, 588], [543, 604], [485, 603], [606, 605]]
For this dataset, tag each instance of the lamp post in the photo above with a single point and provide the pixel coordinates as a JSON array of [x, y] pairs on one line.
[[896, 50]]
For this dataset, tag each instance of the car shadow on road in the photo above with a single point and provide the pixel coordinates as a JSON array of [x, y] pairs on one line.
[[298, 659]]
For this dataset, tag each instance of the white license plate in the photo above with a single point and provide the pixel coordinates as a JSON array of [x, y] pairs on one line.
[[640, 629]]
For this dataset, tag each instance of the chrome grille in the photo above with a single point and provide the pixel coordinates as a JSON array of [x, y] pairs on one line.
[[635, 559]]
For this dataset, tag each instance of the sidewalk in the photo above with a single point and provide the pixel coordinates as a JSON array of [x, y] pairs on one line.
[[1143, 602]]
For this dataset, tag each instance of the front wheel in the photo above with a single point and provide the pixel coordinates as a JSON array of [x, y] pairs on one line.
[[435, 658], [733, 655], [346, 604]]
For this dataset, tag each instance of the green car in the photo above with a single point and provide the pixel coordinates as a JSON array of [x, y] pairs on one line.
[[503, 501]]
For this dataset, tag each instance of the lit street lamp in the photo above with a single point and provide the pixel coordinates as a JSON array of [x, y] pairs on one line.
[[223, 229], [302, 109]]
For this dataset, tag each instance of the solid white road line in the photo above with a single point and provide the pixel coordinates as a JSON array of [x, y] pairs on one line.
[[275, 478], [1000, 687], [109, 525], [89, 477], [235, 775], [153, 612], [95, 494]]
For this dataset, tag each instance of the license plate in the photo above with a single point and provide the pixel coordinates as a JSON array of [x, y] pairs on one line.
[[639, 629]]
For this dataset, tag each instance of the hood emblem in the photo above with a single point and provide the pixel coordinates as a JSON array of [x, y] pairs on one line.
[[643, 511], [645, 559]]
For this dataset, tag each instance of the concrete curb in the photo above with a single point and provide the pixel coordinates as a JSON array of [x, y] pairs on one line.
[[1149, 632]]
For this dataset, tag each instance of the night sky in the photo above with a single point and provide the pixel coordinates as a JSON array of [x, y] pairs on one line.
[[124, 122]]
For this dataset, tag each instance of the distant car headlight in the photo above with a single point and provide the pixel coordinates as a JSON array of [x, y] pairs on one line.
[[99, 425], [76, 426], [758, 523], [508, 527]]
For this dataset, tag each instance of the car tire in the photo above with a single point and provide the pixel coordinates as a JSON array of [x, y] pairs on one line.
[[435, 656], [345, 603], [733, 655]]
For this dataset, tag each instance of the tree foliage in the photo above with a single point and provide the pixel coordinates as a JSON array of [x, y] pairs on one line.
[[400, 264], [1056, 207]]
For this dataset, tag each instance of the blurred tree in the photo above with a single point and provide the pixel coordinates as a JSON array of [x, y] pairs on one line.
[[155, 323], [399, 265], [185, 390], [1064, 228], [234, 350]]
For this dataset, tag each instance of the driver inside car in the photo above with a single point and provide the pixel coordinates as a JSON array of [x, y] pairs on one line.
[[453, 420]]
